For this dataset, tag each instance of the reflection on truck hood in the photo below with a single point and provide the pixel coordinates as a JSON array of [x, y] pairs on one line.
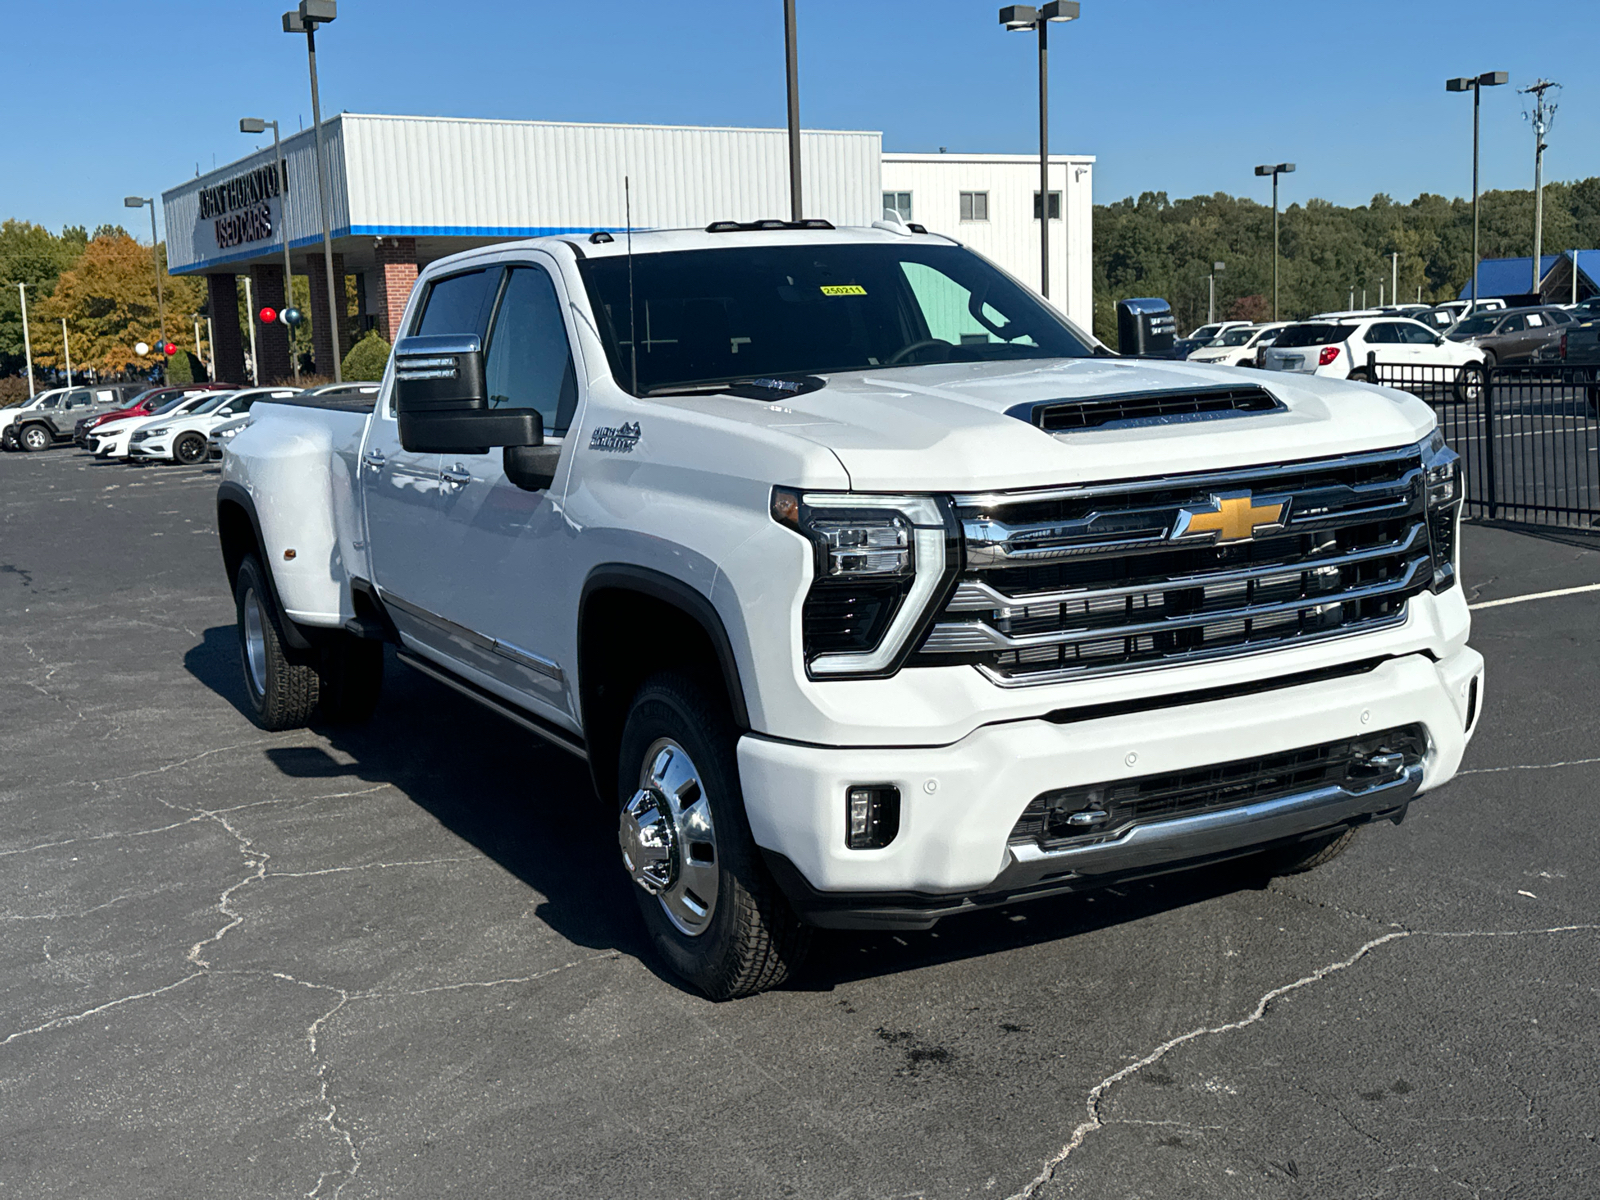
[[945, 426]]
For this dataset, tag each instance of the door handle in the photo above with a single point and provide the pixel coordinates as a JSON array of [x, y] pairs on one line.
[[456, 476], [373, 458]]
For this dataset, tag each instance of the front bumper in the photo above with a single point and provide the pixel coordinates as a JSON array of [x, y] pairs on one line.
[[161, 448], [960, 802]]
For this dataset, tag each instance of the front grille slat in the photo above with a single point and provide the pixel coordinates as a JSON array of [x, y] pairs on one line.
[[1068, 582]]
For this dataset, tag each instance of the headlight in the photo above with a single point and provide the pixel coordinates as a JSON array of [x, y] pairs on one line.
[[1442, 477], [879, 564], [225, 434], [150, 433]]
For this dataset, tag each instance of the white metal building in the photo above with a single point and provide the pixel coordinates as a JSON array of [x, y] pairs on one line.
[[990, 202]]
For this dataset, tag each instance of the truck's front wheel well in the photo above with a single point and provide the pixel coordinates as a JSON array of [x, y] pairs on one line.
[[625, 636]]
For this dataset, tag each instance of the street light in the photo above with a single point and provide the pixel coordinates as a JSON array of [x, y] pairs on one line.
[[1275, 171], [310, 14], [155, 254], [27, 343], [1475, 85], [257, 125], [791, 54], [1018, 17], [1211, 292]]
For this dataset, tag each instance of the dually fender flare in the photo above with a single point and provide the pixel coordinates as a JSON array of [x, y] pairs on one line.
[[231, 493]]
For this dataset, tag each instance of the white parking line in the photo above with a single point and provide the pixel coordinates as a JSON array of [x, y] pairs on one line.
[[1571, 591]]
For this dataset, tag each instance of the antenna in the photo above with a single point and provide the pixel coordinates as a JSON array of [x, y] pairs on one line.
[[1541, 118], [633, 337]]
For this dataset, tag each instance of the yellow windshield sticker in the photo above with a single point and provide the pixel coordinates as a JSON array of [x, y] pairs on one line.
[[843, 289]]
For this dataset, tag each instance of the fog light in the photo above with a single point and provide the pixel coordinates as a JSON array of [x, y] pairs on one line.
[[872, 816]]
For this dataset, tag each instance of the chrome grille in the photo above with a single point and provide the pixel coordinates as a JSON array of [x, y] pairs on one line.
[[1071, 581]]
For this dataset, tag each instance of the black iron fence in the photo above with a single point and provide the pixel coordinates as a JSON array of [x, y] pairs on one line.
[[1528, 436]]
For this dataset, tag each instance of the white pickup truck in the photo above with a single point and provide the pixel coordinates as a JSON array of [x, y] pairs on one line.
[[871, 589]]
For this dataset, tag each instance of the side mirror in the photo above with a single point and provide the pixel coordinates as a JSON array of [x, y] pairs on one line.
[[443, 405]]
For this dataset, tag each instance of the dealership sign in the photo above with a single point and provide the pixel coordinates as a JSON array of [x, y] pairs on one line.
[[239, 208]]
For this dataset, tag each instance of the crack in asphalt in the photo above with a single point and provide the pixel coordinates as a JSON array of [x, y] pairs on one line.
[[1094, 1121], [1571, 762]]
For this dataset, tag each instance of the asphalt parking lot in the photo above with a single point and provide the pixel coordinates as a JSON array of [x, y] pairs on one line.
[[403, 962]]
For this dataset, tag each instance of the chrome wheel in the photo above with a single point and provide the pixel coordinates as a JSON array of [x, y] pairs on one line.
[[669, 843], [35, 439], [255, 642]]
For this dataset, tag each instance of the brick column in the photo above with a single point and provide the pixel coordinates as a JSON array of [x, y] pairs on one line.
[[321, 341], [272, 341], [389, 285], [228, 347]]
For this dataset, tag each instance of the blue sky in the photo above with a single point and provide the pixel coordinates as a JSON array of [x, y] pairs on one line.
[[1181, 96]]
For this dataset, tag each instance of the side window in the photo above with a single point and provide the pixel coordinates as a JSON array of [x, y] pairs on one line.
[[456, 304], [1512, 325], [1535, 321], [1382, 334], [1416, 335], [530, 363], [51, 402], [80, 399]]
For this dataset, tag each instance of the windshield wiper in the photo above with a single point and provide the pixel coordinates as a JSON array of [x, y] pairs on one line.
[[693, 389]]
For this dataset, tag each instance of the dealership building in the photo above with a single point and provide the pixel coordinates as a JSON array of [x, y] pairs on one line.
[[406, 191]]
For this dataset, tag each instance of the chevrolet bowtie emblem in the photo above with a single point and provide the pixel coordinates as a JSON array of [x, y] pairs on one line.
[[1233, 517]]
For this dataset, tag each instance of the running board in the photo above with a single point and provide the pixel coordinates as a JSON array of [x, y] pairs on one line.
[[547, 730]]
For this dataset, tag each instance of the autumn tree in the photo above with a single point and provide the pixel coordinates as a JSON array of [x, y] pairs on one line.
[[109, 301], [32, 255]]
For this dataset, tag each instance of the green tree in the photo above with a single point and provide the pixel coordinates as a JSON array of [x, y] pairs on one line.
[[367, 358]]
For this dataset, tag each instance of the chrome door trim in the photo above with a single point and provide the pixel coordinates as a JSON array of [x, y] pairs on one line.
[[472, 637]]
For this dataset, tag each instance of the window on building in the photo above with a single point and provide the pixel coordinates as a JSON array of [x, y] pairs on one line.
[[898, 202], [529, 364], [974, 206], [1055, 206]]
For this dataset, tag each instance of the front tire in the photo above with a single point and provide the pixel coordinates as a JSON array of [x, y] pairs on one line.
[[712, 910], [283, 694], [36, 438], [189, 449]]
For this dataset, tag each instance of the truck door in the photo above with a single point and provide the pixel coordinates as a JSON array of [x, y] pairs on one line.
[[400, 489], [500, 547]]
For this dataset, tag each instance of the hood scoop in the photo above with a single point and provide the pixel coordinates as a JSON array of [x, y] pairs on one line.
[[1133, 409]]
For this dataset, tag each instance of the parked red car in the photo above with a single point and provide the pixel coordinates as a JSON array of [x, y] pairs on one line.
[[145, 404]]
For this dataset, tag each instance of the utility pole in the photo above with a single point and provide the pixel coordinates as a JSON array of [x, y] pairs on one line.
[[1211, 292], [1394, 275], [27, 343], [791, 49], [1544, 111], [66, 350]]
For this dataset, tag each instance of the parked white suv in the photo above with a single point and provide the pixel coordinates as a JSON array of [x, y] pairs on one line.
[[870, 589], [1353, 348]]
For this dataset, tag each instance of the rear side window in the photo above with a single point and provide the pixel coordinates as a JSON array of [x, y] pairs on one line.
[[456, 304], [1313, 333]]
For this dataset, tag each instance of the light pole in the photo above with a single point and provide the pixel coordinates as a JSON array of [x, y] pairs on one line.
[[257, 125], [310, 14], [1540, 118], [1275, 171], [27, 343], [791, 51], [1475, 85], [1394, 276], [250, 312], [66, 349], [1211, 292], [1016, 17], [155, 255]]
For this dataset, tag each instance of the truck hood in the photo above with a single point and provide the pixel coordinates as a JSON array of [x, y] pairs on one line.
[[947, 426]]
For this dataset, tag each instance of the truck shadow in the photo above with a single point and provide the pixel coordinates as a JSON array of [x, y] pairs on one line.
[[532, 809]]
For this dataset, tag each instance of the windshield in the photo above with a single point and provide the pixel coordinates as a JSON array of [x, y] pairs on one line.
[[1235, 337], [1313, 333], [712, 316], [1204, 334], [167, 407], [1476, 326]]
